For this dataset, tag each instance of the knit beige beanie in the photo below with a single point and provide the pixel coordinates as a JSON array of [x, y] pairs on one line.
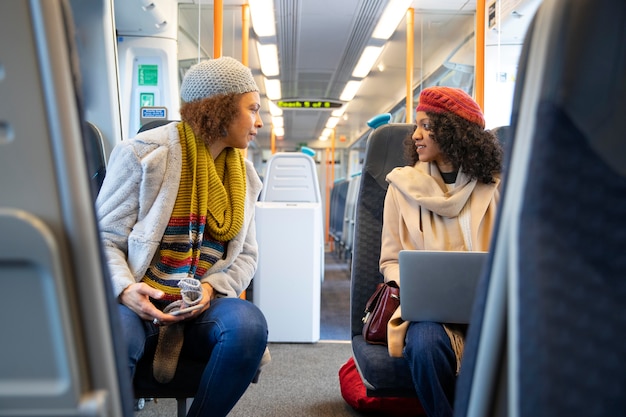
[[216, 76]]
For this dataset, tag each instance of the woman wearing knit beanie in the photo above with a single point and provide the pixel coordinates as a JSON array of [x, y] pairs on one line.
[[176, 213], [446, 198]]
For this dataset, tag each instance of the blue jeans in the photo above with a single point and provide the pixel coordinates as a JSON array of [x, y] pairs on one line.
[[230, 336], [431, 359]]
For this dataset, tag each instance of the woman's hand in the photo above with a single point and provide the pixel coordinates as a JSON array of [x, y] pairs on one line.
[[208, 294], [137, 297]]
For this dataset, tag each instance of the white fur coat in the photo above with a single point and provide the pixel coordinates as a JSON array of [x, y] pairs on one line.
[[135, 204]]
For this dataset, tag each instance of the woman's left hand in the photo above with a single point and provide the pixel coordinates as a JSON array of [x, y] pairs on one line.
[[207, 295]]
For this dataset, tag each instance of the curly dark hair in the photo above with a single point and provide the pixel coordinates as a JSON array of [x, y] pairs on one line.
[[465, 144], [210, 118]]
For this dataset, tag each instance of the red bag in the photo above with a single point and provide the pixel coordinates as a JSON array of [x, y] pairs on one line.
[[378, 310], [354, 393]]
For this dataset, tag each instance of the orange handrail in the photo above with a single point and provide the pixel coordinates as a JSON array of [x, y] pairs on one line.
[[479, 78], [410, 30], [218, 9], [245, 33]]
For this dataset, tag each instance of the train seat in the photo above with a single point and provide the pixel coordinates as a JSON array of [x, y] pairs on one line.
[[547, 327], [183, 386], [337, 208], [347, 234], [95, 153], [61, 352], [382, 375], [154, 123]]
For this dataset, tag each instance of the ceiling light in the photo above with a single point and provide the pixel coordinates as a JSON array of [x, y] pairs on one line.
[[332, 122], [278, 122], [327, 132], [391, 18], [350, 91], [323, 138], [279, 131], [262, 15], [275, 110], [338, 112], [367, 61], [268, 55], [272, 89]]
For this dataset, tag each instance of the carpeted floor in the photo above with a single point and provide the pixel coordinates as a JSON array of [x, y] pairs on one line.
[[301, 380], [335, 299]]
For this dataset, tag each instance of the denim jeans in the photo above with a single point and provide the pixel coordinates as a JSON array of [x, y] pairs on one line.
[[231, 336], [431, 359]]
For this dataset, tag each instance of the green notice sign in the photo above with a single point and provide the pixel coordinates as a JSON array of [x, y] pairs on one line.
[[146, 99], [148, 75]]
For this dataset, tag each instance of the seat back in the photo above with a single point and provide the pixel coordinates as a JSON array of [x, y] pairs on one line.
[[347, 234], [291, 177], [338, 196], [60, 351], [154, 123], [557, 272], [382, 154], [96, 160], [382, 375]]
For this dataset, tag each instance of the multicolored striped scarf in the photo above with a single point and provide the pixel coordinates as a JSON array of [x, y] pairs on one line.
[[199, 227]]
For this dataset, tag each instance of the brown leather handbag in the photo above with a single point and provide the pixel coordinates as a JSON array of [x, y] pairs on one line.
[[378, 310]]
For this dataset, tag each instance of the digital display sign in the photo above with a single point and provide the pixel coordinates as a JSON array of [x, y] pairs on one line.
[[309, 104]]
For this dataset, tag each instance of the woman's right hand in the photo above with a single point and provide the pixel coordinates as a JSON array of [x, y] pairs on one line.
[[137, 297]]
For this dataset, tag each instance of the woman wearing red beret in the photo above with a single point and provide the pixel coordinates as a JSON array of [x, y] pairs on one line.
[[446, 198]]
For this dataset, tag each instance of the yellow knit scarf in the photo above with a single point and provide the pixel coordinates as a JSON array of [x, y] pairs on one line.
[[212, 194], [227, 185]]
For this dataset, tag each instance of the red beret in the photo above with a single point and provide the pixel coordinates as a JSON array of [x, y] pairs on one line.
[[451, 100]]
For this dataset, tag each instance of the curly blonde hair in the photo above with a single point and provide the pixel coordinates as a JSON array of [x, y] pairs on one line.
[[210, 118]]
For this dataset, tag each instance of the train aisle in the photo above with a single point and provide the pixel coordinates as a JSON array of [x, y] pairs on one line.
[[335, 299]]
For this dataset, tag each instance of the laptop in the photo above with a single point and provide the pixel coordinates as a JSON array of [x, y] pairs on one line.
[[439, 285]]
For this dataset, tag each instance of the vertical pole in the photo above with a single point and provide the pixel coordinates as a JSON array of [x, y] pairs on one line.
[[329, 162], [410, 29], [332, 162], [245, 33], [218, 23], [479, 74], [332, 177], [327, 189], [273, 142]]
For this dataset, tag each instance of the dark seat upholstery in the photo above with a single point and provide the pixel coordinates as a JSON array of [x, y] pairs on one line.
[[558, 267], [96, 161], [381, 374], [337, 207], [184, 384], [154, 123]]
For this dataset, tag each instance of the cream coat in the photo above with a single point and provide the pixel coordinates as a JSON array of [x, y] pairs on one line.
[[135, 205], [421, 214]]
